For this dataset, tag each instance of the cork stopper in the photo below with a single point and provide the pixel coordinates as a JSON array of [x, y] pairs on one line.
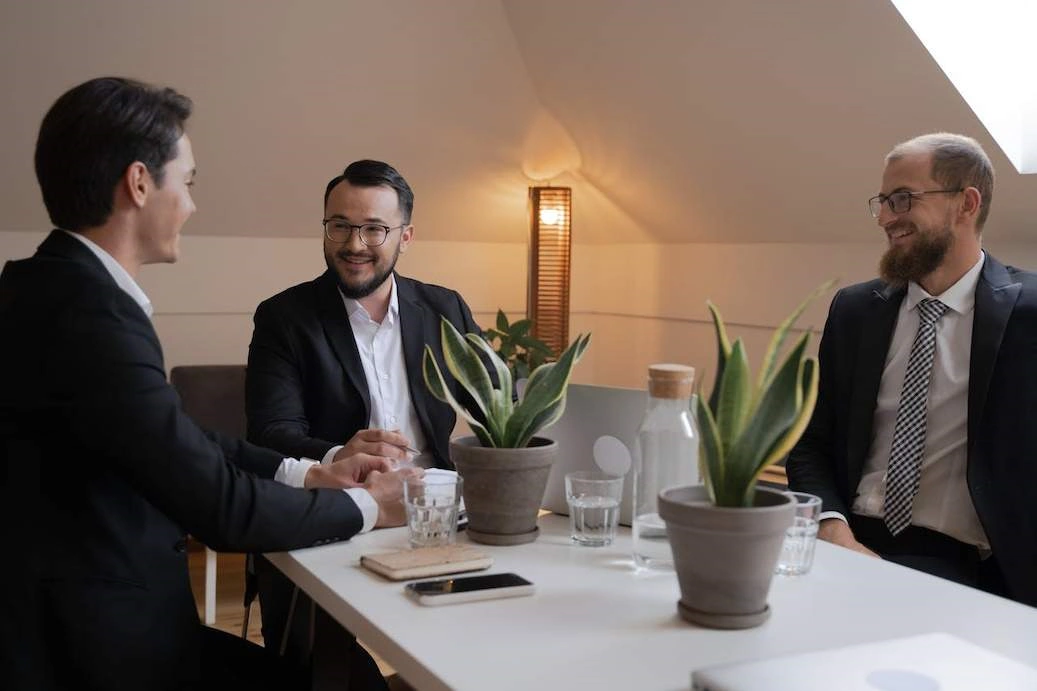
[[670, 381]]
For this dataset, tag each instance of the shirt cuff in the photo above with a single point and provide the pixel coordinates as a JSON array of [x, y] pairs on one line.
[[292, 471], [832, 514], [367, 505], [330, 454]]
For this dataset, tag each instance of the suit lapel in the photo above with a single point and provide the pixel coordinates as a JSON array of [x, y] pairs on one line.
[[996, 295], [412, 331], [877, 331], [336, 325]]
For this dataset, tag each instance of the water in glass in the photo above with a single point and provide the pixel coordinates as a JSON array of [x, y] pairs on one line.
[[797, 551], [593, 520]]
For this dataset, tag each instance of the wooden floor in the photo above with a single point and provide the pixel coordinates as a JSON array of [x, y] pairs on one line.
[[230, 589]]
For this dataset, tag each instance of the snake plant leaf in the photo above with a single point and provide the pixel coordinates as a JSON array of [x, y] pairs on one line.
[[779, 407], [712, 450], [543, 419], [500, 397], [809, 394], [546, 386], [735, 396], [464, 363], [438, 388], [780, 334], [723, 351]]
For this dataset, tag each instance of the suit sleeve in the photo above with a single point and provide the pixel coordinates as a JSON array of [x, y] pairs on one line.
[[810, 464], [274, 400], [106, 365]]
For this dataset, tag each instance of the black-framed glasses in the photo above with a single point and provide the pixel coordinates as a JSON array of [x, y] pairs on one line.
[[900, 202], [371, 234]]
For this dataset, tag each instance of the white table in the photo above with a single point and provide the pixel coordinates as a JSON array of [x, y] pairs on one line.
[[596, 623]]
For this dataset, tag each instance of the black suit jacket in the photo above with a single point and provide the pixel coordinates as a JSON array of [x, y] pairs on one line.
[[305, 388], [101, 476], [1002, 403]]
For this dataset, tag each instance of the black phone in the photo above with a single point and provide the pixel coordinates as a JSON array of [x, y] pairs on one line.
[[469, 588]]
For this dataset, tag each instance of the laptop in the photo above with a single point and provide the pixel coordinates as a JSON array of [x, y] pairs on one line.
[[597, 431], [928, 662]]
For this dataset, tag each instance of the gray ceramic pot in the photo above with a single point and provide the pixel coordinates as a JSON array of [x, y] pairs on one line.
[[503, 488], [724, 557]]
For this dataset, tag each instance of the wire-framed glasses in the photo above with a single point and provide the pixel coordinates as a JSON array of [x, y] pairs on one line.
[[371, 234], [900, 201]]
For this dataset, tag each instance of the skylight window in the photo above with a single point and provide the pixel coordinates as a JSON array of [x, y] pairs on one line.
[[983, 49]]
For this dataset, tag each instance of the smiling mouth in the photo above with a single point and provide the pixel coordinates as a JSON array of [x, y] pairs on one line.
[[899, 233], [355, 260]]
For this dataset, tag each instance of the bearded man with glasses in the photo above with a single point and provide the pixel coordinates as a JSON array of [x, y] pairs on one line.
[[334, 369], [922, 445]]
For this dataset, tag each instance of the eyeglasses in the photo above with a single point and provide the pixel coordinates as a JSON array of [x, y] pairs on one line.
[[371, 234], [900, 202]]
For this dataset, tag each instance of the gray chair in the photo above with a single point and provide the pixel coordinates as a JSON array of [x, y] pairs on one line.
[[214, 397]]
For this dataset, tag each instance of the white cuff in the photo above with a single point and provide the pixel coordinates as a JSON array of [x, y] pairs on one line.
[[832, 514], [367, 505], [330, 454], [292, 471]]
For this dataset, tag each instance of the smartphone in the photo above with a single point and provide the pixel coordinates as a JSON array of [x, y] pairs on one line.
[[447, 591]]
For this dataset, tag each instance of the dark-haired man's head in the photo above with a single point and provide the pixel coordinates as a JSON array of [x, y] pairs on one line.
[[92, 134], [367, 211]]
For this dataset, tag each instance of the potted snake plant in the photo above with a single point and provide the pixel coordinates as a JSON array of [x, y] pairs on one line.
[[505, 466], [726, 534]]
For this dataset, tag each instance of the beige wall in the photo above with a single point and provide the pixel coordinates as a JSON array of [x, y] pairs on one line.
[[643, 303]]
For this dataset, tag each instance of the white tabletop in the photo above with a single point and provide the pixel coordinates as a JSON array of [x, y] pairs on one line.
[[597, 623]]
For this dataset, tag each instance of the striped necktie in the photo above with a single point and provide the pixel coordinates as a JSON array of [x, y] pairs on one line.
[[905, 457]]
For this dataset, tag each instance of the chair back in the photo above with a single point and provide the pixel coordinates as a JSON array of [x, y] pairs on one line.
[[213, 395]]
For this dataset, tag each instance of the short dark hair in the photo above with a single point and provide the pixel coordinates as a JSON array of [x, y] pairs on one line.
[[92, 134], [369, 173]]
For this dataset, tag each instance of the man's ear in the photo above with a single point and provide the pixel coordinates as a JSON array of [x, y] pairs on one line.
[[972, 202], [406, 235], [136, 182]]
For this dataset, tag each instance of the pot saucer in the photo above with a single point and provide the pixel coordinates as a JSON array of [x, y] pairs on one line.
[[723, 621], [495, 539]]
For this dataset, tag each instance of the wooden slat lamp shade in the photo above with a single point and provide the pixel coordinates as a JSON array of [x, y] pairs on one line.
[[550, 254]]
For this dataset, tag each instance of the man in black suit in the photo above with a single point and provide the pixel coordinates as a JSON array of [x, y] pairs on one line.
[[922, 445], [334, 367], [102, 474]]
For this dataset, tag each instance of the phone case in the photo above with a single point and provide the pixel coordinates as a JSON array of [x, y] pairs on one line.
[[430, 600], [427, 561]]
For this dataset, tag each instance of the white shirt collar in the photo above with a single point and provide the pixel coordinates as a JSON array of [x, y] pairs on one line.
[[354, 306], [960, 297], [118, 274]]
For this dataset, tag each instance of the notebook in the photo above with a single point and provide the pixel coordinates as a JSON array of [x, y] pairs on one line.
[[427, 561], [928, 662], [597, 431]]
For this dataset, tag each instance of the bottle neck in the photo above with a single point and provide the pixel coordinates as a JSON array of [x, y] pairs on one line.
[[676, 404]]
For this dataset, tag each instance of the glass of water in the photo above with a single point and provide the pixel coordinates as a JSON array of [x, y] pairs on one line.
[[432, 503], [593, 506], [797, 551]]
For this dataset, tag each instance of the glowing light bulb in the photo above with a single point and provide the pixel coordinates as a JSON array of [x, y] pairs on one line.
[[551, 217]]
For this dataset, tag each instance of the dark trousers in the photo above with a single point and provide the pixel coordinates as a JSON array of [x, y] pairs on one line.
[[229, 662], [932, 552], [314, 640]]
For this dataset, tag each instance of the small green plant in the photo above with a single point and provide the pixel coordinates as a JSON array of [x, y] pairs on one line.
[[498, 421], [746, 427], [520, 351]]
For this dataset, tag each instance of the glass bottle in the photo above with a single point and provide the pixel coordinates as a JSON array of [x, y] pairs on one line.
[[667, 454]]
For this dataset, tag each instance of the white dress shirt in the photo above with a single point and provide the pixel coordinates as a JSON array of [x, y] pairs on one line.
[[943, 502], [292, 471], [380, 345]]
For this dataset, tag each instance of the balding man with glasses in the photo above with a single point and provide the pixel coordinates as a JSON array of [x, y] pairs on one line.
[[923, 445], [334, 367]]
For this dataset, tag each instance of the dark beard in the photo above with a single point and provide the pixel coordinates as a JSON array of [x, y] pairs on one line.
[[358, 292], [899, 266]]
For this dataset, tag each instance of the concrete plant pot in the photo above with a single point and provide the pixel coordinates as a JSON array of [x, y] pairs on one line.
[[724, 556], [503, 488]]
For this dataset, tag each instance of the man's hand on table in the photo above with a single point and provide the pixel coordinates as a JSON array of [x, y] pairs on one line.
[[387, 489], [836, 531]]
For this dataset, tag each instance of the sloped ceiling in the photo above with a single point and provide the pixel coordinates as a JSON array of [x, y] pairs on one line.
[[692, 120]]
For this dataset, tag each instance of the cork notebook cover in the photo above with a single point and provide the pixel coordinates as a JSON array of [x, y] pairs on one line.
[[427, 561]]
